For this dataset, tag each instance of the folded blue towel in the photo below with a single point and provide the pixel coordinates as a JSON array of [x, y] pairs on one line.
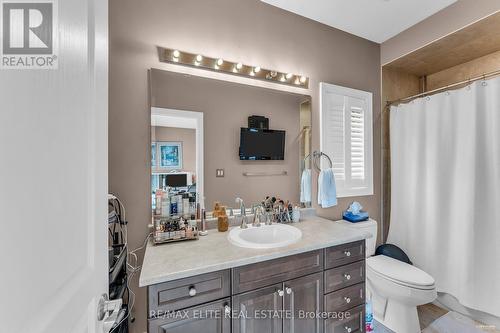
[[327, 190], [361, 216]]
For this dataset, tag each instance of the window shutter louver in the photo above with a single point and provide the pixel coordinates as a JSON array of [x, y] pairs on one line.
[[346, 137]]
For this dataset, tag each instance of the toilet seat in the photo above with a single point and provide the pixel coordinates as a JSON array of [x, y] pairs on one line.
[[400, 273]]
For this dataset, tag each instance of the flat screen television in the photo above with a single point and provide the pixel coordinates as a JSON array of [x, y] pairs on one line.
[[262, 144]]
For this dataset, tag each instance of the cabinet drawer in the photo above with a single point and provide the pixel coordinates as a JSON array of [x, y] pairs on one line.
[[183, 293], [344, 276], [208, 318], [352, 322], [274, 271], [344, 254], [346, 298]]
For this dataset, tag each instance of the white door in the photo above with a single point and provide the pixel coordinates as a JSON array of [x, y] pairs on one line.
[[53, 173]]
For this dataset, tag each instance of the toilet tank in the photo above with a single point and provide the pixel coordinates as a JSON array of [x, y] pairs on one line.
[[370, 226]]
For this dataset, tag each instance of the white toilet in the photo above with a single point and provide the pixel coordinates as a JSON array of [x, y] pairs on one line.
[[395, 287]]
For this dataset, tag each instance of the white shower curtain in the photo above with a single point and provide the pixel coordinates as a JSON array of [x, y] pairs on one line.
[[445, 175]]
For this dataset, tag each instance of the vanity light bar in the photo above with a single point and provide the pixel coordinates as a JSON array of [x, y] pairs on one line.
[[221, 65]]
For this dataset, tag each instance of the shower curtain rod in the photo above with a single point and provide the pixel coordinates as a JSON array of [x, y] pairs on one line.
[[427, 93]]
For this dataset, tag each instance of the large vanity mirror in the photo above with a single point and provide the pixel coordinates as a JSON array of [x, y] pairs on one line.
[[205, 149]]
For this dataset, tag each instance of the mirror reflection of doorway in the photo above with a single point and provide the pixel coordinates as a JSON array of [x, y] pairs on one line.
[[176, 151]]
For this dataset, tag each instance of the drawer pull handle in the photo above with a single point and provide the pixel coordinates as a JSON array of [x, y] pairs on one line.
[[347, 300], [288, 290], [347, 253], [348, 329], [192, 291], [347, 276], [227, 310], [281, 293]]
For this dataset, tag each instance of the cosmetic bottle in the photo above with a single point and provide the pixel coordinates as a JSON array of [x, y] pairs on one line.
[[185, 204], [179, 205], [158, 201], [189, 230], [173, 205], [203, 224], [215, 212], [296, 214], [192, 206], [222, 220], [165, 206]]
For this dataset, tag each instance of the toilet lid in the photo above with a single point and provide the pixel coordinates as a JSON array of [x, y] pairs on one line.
[[400, 272]]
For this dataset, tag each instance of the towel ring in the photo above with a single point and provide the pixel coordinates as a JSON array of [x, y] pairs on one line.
[[303, 165], [317, 157]]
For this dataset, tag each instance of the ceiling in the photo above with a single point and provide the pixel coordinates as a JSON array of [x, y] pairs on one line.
[[375, 20]]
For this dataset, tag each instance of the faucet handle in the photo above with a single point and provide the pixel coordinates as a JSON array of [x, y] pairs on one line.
[[257, 218], [244, 222]]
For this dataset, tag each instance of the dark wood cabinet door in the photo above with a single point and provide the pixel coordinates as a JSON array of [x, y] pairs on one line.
[[210, 318], [259, 311], [304, 304]]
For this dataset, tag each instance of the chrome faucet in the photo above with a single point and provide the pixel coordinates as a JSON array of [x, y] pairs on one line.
[[259, 213], [243, 214], [254, 207]]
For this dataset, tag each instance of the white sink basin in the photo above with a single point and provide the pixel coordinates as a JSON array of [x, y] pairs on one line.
[[265, 236]]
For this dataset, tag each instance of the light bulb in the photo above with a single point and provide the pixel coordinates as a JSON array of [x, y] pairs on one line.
[[176, 53], [176, 59], [256, 69], [197, 63], [303, 79], [289, 76], [199, 58], [216, 66], [239, 65], [297, 81], [220, 61], [283, 78], [252, 73]]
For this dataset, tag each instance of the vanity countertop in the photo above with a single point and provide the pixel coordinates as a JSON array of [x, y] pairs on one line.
[[214, 252]]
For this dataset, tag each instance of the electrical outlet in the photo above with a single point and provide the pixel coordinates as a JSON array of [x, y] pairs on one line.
[[219, 173]]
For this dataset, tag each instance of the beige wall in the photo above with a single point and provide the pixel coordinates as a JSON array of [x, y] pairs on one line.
[[465, 71], [240, 30], [446, 21], [226, 107], [395, 85], [185, 135]]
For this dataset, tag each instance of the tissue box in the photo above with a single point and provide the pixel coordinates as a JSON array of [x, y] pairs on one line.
[[361, 216]]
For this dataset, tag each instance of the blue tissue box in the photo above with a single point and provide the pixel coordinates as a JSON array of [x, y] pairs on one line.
[[362, 216]]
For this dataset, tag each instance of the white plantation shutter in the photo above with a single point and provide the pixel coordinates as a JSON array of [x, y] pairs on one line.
[[346, 136]]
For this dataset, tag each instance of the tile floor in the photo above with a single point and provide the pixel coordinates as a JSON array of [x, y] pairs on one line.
[[427, 314]]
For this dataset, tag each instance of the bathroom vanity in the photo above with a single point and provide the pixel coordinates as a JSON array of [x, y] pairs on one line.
[[314, 285]]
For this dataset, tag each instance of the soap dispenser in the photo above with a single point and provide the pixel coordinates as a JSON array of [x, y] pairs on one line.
[[222, 220]]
